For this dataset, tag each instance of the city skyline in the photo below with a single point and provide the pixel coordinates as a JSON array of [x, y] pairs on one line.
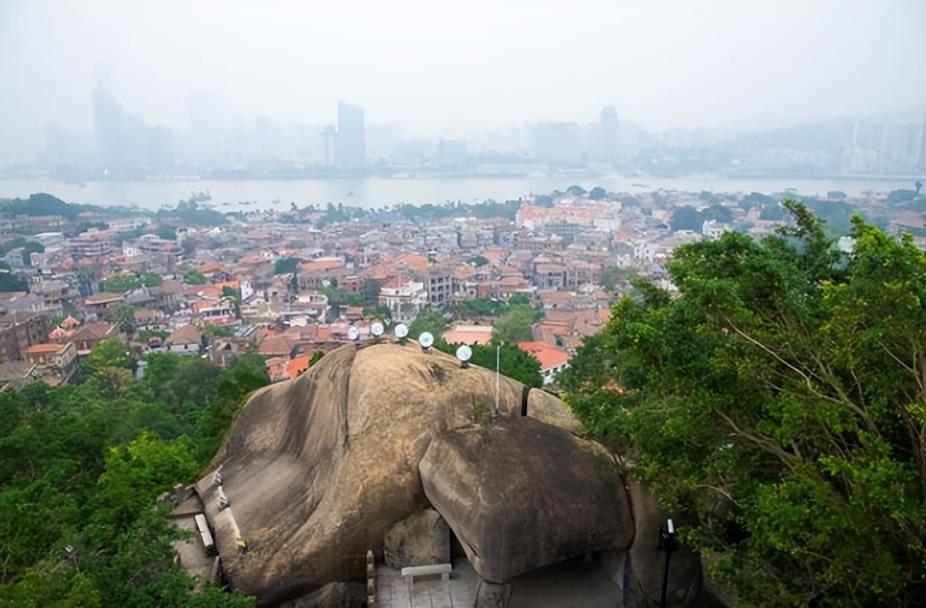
[[123, 144], [425, 69]]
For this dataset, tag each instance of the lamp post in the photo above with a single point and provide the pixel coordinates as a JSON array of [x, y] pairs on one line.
[[668, 544]]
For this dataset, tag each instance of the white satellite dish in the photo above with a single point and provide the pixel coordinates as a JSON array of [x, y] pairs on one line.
[[426, 340], [401, 331], [353, 333], [377, 329], [464, 354]]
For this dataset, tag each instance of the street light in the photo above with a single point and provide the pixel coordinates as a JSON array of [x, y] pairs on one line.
[[668, 544]]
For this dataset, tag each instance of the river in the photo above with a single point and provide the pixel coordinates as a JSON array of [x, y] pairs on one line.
[[377, 192]]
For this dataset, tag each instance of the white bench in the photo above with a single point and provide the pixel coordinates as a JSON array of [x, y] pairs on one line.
[[412, 571]]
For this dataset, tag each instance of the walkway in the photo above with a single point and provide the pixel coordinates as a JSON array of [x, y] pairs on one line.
[[393, 591], [571, 584]]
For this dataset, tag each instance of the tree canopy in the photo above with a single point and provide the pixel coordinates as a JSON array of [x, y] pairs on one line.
[[777, 403], [430, 320], [194, 276], [516, 324], [82, 464], [285, 265]]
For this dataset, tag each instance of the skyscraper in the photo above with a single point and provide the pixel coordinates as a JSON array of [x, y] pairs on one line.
[[350, 148], [606, 144], [109, 128]]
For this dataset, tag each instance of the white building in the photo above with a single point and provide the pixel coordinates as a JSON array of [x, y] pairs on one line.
[[404, 298]]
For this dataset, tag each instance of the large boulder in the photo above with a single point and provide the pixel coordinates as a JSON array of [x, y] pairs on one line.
[[332, 595], [546, 407], [421, 539], [318, 469], [520, 494]]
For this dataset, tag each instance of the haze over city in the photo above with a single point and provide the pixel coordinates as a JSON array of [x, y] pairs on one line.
[[459, 70], [463, 304]]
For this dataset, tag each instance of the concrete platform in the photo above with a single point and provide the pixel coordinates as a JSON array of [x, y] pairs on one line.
[[571, 584], [393, 591]]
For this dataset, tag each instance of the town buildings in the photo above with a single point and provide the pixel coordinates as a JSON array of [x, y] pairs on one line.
[[285, 284]]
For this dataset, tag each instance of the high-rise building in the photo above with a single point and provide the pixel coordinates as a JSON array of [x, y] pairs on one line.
[[605, 137], [109, 128], [350, 147], [557, 142]]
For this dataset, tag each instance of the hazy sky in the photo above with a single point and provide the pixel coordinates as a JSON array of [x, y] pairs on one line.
[[458, 68]]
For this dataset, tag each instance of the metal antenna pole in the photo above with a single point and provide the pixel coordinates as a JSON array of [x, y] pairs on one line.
[[498, 359]]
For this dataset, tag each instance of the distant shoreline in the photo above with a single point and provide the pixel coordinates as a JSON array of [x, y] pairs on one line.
[[379, 192], [585, 175]]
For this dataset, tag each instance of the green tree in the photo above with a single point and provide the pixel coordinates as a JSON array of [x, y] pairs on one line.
[[194, 276], [135, 474], [370, 291], [168, 233], [598, 193], [121, 283], [150, 279], [515, 363], [515, 325], [615, 277], [576, 190], [123, 317], [777, 404], [9, 281], [81, 466], [285, 265], [686, 218], [430, 320]]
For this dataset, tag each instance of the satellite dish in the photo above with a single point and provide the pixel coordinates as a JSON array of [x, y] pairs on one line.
[[377, 329], [426, 340], [401, 331], [353, 333], [464, 354]]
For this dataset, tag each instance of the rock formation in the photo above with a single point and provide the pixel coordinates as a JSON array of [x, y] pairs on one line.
[[521, 494], [418, 540], [318, 470]]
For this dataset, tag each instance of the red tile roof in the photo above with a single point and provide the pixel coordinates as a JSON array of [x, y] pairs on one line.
[[549, 356]]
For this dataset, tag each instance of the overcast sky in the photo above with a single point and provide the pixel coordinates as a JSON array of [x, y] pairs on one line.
[[457, 68]]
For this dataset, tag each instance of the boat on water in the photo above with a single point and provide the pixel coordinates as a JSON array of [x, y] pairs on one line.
[[200, 197]]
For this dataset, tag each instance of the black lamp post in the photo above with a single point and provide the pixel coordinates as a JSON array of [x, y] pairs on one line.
[[668, 544]]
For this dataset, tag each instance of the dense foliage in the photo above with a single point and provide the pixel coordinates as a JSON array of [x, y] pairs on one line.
[[191, 213], [121, 283], [81, 466], [10, 281], [44, 204], [285, 265], [194, 276], [428, 320], [485, 307], [778, 403], [28, 248], [511, 360], [516, 324], [483, 210], [689, 218]]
